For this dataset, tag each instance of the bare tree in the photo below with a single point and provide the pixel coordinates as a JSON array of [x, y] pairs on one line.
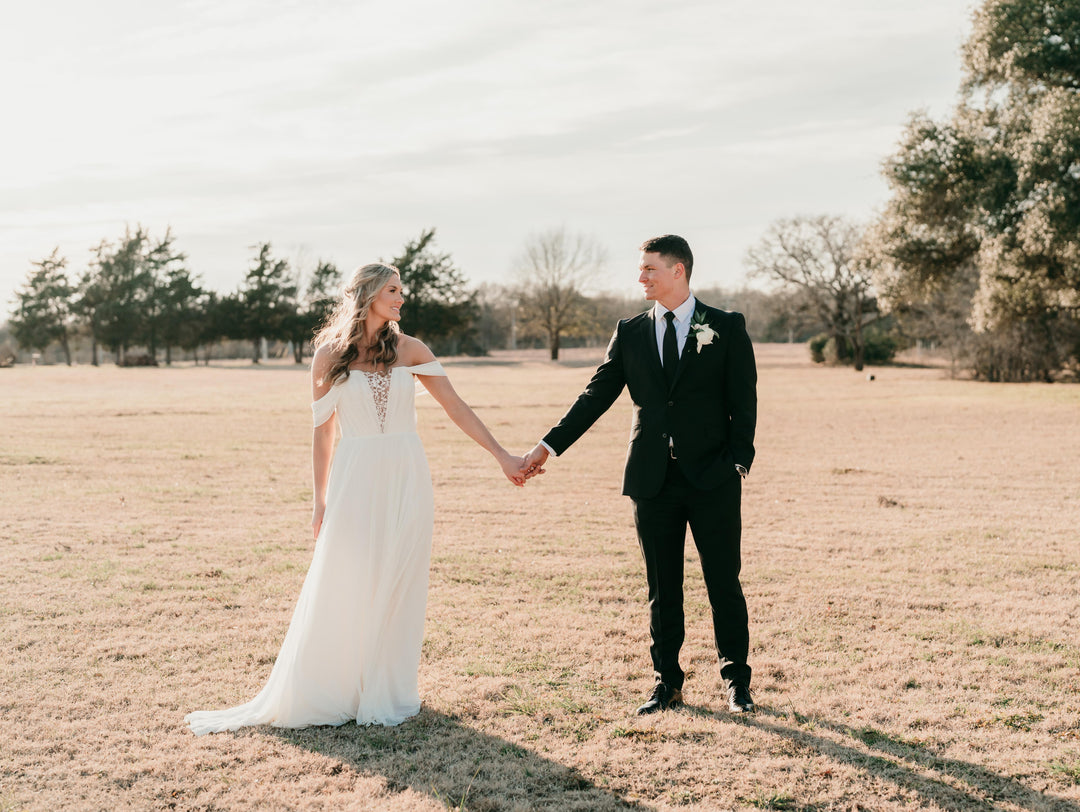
[[822, 256], [554, 271]]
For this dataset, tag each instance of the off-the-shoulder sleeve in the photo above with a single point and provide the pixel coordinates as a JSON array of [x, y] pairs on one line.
[[430, 368], [324, 407]]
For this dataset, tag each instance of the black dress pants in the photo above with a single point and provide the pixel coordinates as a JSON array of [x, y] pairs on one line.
[[715, 520]]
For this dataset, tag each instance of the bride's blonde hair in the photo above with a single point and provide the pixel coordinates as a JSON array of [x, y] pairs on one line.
[[343, 331]]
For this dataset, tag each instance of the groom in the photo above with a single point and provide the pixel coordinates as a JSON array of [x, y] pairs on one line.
[[691, 375]]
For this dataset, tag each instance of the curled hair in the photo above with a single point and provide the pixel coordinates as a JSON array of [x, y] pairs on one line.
[[343, 331]]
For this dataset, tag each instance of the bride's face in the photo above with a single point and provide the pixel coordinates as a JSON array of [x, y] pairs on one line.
[[388, 302]]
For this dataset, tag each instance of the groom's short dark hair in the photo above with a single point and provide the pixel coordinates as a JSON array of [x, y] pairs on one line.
[[673, 247]]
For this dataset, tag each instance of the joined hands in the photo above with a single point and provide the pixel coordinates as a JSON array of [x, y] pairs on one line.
[[520, 469], [514, 469], [533, 464]]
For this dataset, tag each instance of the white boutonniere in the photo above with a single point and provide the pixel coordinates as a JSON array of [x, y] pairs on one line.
[[703, 333]]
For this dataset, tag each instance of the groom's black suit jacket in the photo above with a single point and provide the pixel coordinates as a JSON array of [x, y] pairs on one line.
[[710, 409]]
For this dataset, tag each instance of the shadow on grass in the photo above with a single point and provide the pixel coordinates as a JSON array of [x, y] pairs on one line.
[[945, 782], [462, 768]]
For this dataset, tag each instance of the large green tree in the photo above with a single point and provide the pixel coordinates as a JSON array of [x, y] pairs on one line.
[[88, 306], [120, 285], [990, 198], [320, 296], [43, 306], [174, 298], [268, 296], [138, 291], [439, 307], [218, 317]]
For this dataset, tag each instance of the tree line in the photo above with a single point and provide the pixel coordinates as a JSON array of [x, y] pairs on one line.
[[138, 292], [139, 300]]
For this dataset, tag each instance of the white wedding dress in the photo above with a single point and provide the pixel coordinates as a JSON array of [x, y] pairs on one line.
[[353, 646]]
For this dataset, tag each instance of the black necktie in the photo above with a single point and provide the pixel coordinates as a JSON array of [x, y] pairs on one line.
[[671, 348]]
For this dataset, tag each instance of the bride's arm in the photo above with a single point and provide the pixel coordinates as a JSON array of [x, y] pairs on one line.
[[464, 417], [322, 439]]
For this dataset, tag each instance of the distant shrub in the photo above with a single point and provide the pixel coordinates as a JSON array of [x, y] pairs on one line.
[[879, 348], [140, 359], [837, 350]]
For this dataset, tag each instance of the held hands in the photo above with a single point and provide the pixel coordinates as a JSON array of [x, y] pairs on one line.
[[534, 461], [514, 468], [520, 469]]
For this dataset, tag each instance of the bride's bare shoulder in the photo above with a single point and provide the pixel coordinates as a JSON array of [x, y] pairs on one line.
[[322, 363], [322, 359], [413, 352]]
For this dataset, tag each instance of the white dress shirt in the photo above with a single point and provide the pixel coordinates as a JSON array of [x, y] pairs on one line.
[[683, 314]]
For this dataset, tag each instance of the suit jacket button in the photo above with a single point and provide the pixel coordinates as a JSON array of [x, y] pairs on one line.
[[664, 435], [671, 403]]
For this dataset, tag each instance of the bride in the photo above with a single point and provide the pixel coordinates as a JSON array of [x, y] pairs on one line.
[[352, 650]]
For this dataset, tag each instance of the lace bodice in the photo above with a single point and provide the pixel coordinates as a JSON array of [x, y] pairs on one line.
[[374, 404], [380, 393]]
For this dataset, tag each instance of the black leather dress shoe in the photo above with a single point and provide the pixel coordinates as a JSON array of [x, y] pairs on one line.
[[663, 697], [739, 699]]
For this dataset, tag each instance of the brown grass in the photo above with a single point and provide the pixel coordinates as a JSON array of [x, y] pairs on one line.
[[911, 562]]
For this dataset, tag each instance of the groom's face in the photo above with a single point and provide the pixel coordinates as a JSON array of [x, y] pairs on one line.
[[659, 276]]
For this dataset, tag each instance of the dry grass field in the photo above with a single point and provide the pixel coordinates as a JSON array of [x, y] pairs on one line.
[[911, 564]]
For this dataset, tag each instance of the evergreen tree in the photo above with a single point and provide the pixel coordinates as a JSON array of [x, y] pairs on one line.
[[175, 293], [87, 305], [268, 296], [319, 299], [122, 289], [44, 306], [439, 307]]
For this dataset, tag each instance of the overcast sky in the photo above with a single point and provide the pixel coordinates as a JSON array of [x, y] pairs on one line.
[[338, 129]]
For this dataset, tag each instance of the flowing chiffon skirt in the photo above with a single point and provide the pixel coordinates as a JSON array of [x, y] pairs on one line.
[[352, 650]]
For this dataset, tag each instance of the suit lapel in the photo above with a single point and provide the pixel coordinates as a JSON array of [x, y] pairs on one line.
[[652, 351]]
